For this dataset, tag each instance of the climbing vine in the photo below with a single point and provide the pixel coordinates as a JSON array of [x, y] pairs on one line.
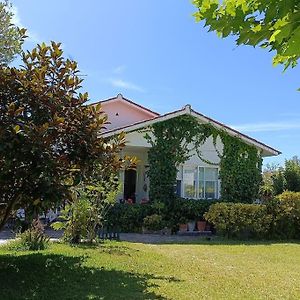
[[171, 142], [174, 140]]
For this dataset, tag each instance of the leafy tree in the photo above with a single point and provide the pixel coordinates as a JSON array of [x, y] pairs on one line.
[[277, 179], [11, 36], [49, 138], [272, 24], [292, 174]]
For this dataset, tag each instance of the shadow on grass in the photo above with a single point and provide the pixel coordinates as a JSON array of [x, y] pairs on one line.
[[38, 276], [216, 241], [192, 240]]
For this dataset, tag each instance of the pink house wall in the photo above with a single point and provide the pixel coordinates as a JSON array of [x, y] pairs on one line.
[[121, 112]]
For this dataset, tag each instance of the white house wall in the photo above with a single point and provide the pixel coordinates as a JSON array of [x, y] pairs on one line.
[[142, 181], [138, 146]]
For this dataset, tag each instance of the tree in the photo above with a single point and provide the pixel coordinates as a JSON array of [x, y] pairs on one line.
[[11, 36], [292, 174], [277, 179], [272, 24], [49, 138]]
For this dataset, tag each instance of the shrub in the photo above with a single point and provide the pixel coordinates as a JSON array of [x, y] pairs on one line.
[[75, 220], [153, 222], [183, 210], [128, 217], [82, 218], [32, 238], [237, 220], [285, 209], [279, 218]]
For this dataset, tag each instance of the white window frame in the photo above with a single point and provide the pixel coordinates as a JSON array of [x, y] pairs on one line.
[[198, 196]]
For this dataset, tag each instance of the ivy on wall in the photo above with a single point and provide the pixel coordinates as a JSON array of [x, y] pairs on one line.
[[171, 142], [174, 140], [240, 170]]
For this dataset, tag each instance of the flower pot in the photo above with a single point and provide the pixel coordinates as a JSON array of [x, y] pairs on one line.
[[201, 225], [191, 225], [183, 227]]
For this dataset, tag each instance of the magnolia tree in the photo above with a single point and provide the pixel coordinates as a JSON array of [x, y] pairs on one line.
[[50, 139]]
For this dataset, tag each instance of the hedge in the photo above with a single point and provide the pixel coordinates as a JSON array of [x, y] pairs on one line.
[[276, 219]]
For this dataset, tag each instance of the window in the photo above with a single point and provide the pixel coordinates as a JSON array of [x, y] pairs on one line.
[[208, 183], [200, 182], [189, 182]]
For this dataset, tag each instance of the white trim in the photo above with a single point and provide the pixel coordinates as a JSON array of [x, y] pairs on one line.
[[267, 151], [196, 168]]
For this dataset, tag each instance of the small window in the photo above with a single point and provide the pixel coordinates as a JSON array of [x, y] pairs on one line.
[[189, 182], [199, 183]]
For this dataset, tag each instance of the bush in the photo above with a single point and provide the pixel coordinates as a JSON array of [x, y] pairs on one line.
[[130, 217], [285, 209], [277, 219], [183, 210], [75, 220], [153, 222], [32, 238], [237, 220]]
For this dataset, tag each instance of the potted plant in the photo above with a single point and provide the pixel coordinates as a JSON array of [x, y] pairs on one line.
[[201, 225], [183, 226], [191, 211]]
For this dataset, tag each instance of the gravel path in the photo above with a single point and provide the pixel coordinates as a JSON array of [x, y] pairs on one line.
[[6, 235], [156, 238]]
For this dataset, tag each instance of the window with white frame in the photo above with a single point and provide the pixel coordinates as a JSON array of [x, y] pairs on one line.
[[200, 182]]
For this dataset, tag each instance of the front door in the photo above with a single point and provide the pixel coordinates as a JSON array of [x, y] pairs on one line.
[[130, 185]]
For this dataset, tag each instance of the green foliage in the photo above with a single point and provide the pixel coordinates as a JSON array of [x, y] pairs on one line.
[[240, 170], [172, 144], [32, 239], [277, 219], [285, 210], [237, 220], [273, 24], [85, 214], [153, 222], [49, 137], [128, 217], [279, 182], [292, 174], [170, 147], [75, 220], [283, 178], [11, 37]]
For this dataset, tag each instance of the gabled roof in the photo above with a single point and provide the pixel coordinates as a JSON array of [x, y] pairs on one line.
[[187, 110], [120, 97]]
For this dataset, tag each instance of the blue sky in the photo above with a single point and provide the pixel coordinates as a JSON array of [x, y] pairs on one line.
[[154, 53]]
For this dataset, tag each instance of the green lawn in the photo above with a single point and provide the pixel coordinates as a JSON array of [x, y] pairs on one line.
[[119, 270]]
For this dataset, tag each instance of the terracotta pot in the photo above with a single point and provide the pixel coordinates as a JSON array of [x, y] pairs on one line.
[[183, 227], [201, 225]]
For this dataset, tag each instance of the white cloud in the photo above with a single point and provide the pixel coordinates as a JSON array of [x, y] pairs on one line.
[[32, 36], [268, 126], [120, 83], [119, 69]]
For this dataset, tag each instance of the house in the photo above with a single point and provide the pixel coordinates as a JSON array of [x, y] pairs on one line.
[[196, 178]]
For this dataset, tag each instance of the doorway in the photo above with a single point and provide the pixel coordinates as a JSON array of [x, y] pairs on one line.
[[130, 185]]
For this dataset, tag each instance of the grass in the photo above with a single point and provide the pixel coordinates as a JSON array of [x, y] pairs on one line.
[[120, 270]]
